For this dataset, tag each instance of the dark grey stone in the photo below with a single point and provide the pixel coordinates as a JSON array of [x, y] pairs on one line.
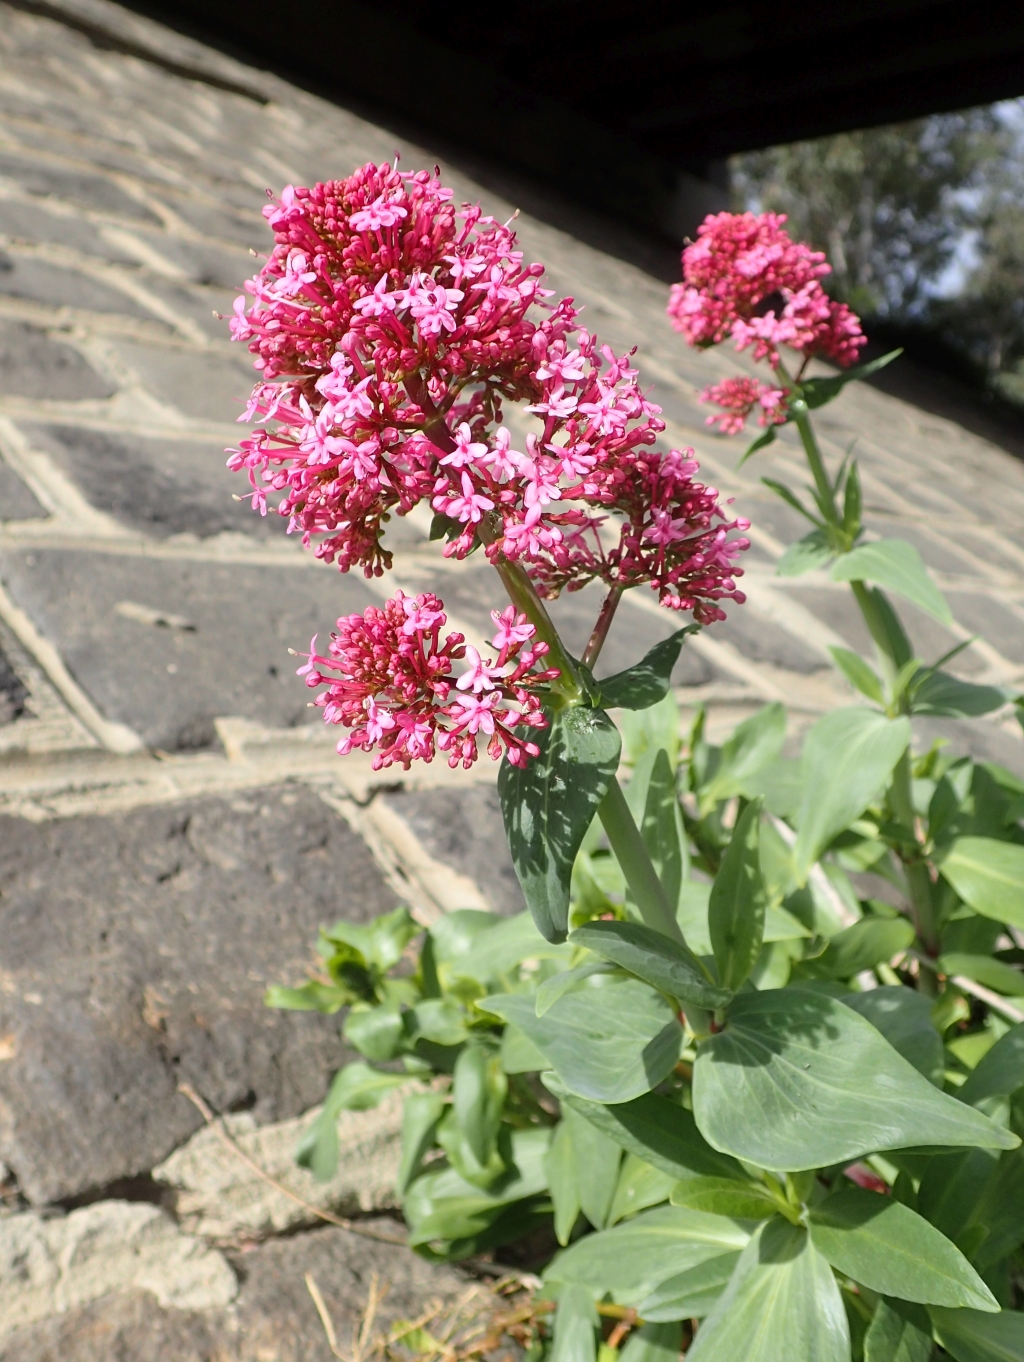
[[56, 287], [198, 384], [34, 365], [274, 1320], [13, 693], [161, 487], [137, 949], [203, 304], [996, 623], [33, 222], [761, 641], [90, 190], [464, 829], [169, 684], [972, 737], [16, 501]]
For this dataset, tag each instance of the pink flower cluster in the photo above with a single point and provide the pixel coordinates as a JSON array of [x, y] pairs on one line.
[[390, 328], [738, 397], [746, 278], [395, 690]]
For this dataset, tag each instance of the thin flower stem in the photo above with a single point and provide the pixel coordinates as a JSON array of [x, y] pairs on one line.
[[815, 460], [604, 623]]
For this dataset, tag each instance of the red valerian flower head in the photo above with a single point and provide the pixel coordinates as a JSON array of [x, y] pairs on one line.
[[389, 679], [745, 277], [738, 397]]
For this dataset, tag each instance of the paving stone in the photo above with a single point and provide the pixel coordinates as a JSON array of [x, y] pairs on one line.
[[762, 641], [137, 949], [218, 1196], [198, 385], [159, 486], [36, 223], [54, 286], [16, 501], [34, 365], [13, 693], [972, 737], [48, 1266], [464, 829], [272, 1320], [169, 684], [73, 186], [1000, 625]]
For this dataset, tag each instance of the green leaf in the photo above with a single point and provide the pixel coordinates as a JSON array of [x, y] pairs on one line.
[[752, 746], [596, 1160], [1000, 1072], [376, 1032], [654, 1342], [989, 876], [548, 805], [666, 964], [782, 1303], [848, 756], [942, 694], [630, 1260], [609, 1043], [648, 681], [806, 554], [356, 1087], [479, 1086], [904, 1018], [649, 729], [311, 997], [970, 1336], [639, 1185], [736, 909], [561, 1176], [655, 1129], [863, 945], [897, 566], [762, 442], [826, 1087], [817, 391], [420, 1115], [781, 490], [899, 1332], [575, 1327], [564, 982], [690, 1294], [519, 1055], [887, 1247], [496, 952], [983, 969], [661, 826], [859, 674], [726, 1196]]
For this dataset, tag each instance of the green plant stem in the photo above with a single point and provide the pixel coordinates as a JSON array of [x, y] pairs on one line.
[[802, 419], [919, 882], [604, 623], [877, 629]]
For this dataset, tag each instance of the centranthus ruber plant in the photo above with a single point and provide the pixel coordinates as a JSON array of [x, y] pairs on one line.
[[666, 1077]]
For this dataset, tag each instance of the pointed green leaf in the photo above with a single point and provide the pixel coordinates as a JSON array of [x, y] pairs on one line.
[[648, 681], [609, 1044], [726, 1196], [564, 982], [983, 969], [690, 1294], [897, 566], [752, 746], [942, 694], [655, 1129], [639, 1185], [549, 804], [561, 1175], [762, 442], [848, 756], [825, 1085], [970, 1336], [519, 1055], [817, 391], [863, 945], [1000, 1072], [989, 876], [899, 1332], [736, 909], [859, 674], [904, 1018], [888, 1247], [575, 1327], [665, 964], [781, 490], [806, 554], [596, 1160], [421, 1112], [654, 1343], [479, 1086], [661, 826], [630, 1260], [782, 1303]]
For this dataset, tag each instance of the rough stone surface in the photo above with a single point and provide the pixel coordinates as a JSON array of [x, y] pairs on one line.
[[16, 501], [137, 949], [219, 1196], [34, 365], [13, 693], [48, 1266], [129, 1327]]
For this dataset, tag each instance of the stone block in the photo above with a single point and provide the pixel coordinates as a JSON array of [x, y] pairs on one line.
[[54, 286], [169, 684], [50, 1266], [137, 949], [198, 385], [998, 624], [33, 364], [121, 1327], [16, 501], [13, 693], [218, 1196], [87, 189]]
